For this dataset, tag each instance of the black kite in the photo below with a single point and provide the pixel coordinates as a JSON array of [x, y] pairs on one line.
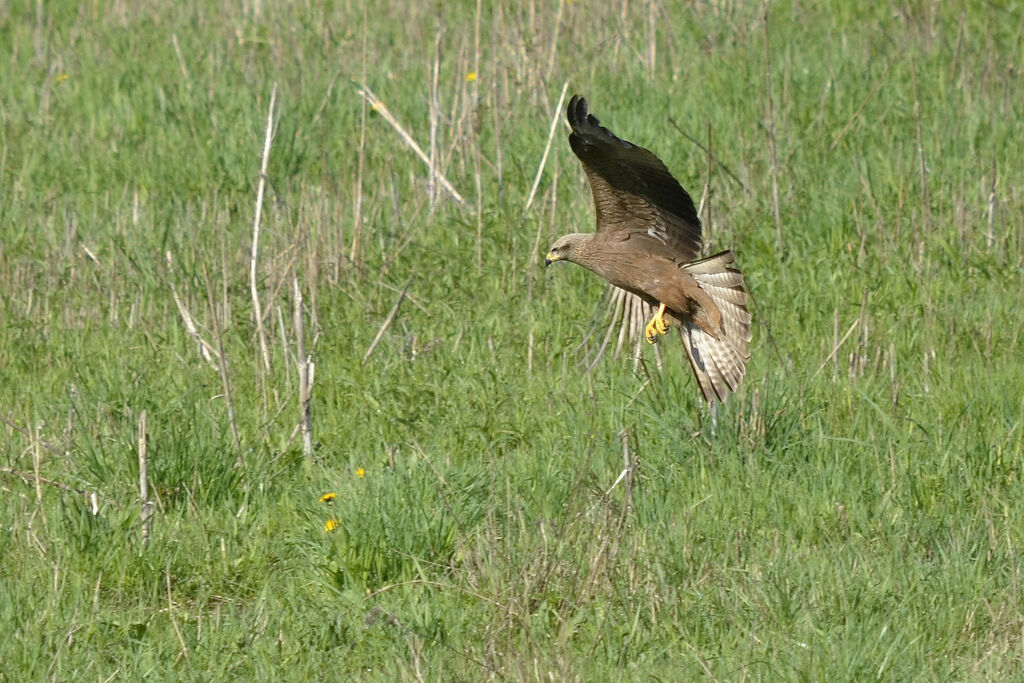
[[647, 243]]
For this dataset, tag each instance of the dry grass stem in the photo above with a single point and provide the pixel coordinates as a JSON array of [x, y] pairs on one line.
[[206, 349], [837, 346], [387, 322], [435, 121], [305, 363], [555, 118], [378, 106], [256, 225], [147, 506]]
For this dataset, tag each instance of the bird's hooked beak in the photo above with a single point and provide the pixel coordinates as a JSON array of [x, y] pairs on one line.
[[551, 258]]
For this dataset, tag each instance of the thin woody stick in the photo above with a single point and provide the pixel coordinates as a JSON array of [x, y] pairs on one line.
[[547, 148], [146, 513], [305, 363], [261, 188], [387, 323], [381, 109]]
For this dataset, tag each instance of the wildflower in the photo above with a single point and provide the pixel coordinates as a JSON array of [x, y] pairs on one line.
[[360, 472], [328, 497], [61, 78], [471, 76], [330, 525]]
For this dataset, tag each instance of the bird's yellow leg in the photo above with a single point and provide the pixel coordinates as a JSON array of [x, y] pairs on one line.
[[658, 325]]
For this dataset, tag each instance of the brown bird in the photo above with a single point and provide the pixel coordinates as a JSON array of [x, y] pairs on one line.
[[647, 244]]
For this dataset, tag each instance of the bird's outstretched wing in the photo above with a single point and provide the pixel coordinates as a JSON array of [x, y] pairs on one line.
[[634, 193]]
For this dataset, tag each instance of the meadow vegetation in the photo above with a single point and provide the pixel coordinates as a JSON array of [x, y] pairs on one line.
[[854, 512]]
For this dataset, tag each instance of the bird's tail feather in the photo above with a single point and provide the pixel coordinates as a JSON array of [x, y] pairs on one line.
[[719, 363]]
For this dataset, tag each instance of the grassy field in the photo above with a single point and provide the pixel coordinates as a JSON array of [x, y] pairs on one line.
[[854, 512]]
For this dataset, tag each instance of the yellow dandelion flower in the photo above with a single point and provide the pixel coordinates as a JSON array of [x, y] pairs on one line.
[[471, 76], [328, 497], [331, 525], [360, 472]]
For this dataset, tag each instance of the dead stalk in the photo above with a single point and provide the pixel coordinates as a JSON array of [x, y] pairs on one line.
[[477, 171], [206, 349], [556, 117], [260, 190], [37, 462], [387, 322], [554, 40], [305, 363], [990, 235], [836, 346], [379, 107], [181, 61], [628, 462], [147, 506], [170, 613], [701, 147], [435, 120]]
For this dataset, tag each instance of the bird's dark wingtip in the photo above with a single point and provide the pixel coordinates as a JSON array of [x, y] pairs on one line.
[[578, 111]]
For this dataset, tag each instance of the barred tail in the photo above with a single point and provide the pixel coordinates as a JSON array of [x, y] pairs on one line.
[[719, 363]]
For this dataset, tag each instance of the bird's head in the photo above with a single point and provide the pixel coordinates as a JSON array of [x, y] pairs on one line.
[[565, 248]]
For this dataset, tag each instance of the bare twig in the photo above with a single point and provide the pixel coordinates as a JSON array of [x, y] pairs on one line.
[[835, 348], [701, 147], [629, 463], [37, 462], [387, 322], [181, 61], [170, 614], [477, 152], [260, 189], [34, 480], [556, 117], [206, 349], [28, 434], [435, 119], [146, 512], [990, 235], [556, 29], [379, 107], [305, 363]]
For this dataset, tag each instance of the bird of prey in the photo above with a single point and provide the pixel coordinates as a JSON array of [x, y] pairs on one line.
[[647, 246]]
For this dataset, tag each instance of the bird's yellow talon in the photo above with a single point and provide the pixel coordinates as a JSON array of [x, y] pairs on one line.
[[657, 326]]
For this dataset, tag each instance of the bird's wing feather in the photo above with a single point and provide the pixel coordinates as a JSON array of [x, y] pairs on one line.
[[635, 195], [619, 320]]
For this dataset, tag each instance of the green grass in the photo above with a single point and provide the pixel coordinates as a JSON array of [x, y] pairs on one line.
[[852, 513]]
